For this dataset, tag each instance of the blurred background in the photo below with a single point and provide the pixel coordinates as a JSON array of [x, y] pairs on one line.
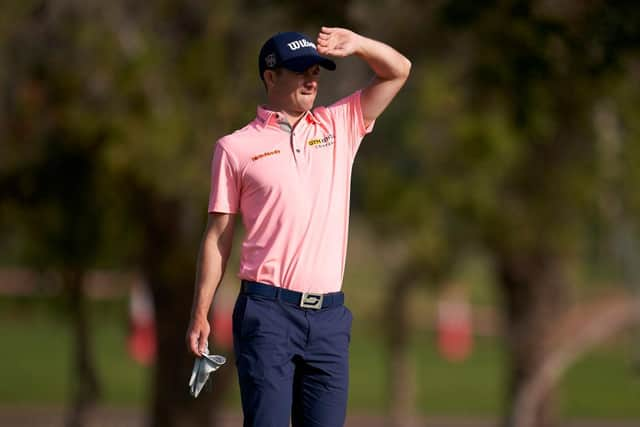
[[494, 258]]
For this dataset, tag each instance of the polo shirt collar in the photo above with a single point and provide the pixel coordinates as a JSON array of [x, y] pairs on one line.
[[273, 118]]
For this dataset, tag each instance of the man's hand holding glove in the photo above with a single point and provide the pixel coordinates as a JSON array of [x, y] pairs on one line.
[[203, 366]]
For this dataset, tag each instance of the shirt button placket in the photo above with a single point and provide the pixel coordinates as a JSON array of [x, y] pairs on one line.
[[295, 144], [295, 149]]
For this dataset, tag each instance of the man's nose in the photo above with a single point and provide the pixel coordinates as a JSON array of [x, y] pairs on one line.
[[310, 79]]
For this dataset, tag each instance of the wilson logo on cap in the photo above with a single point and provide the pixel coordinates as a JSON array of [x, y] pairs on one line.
[[298, 44]]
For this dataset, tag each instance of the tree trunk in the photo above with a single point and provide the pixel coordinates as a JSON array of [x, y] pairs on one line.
[[402, 367], [84, 380], [169, 266], [535, 292]]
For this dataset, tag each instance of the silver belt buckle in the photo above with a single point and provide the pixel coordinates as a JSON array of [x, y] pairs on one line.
[[310, 300]]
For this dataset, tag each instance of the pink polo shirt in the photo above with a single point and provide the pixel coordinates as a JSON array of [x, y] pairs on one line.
[[292, 189]]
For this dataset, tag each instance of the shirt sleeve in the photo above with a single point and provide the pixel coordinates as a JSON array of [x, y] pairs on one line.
[[347, 115], [225, 183]]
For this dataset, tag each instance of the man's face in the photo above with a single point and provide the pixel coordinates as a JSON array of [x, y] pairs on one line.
[[294, 92]]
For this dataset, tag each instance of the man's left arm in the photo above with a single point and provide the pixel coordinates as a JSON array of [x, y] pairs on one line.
[[390, 66]]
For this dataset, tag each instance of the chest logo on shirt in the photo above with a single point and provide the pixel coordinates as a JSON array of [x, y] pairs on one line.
[[325, 141], [268, 153]]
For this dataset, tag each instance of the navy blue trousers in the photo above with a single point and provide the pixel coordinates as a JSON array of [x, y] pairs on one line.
[[293, 363]]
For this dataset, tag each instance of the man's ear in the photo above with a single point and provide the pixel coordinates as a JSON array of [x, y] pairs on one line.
[[270, 77]]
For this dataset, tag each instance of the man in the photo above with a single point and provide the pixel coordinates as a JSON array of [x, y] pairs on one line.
[[288, 174]]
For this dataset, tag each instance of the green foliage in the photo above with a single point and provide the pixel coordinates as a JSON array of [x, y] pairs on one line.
[[516, 133], [498, 143]]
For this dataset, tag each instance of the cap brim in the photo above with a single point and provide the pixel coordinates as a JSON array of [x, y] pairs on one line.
[[302, 63]]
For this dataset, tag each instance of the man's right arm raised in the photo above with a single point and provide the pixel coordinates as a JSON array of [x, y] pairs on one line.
[[215, 248]]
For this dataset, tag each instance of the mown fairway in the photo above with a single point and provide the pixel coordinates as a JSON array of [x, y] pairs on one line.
[[35, 366]]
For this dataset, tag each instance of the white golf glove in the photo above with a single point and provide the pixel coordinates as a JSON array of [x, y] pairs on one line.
[[204, 366]]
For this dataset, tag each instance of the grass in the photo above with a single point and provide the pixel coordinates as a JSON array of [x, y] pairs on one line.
[[605, 383], [35, 367], [35, 360]]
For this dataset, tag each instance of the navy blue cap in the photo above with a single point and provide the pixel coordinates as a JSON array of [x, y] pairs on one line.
[[293, 51]]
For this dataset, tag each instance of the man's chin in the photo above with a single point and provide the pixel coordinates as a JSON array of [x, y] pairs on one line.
[[307, 104]]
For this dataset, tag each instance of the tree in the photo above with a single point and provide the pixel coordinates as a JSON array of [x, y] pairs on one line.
[[499, 152], [52, 170], [78, 93]]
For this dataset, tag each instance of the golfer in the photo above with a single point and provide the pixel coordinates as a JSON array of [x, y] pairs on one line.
[[288, 173]]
